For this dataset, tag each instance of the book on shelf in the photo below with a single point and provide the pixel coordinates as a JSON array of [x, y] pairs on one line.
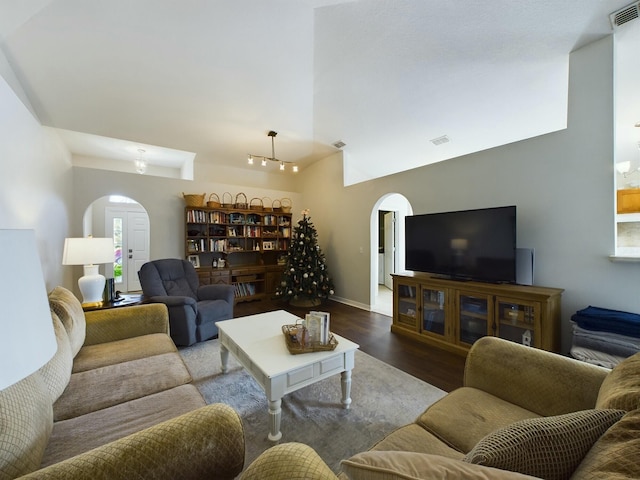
[[196, 216]]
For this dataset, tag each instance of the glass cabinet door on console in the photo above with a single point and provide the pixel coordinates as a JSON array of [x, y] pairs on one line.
[[518, 321], [474, 317], [406, 305], [434, 303]]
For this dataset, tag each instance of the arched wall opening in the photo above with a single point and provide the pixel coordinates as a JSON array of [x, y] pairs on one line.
[[387, 248], [127, 221]]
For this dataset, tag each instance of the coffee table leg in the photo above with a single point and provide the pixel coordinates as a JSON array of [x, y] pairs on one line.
[[345, 378], [224, 358], [275, 415]]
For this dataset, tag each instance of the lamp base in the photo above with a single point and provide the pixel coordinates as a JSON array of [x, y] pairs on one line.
[[92, 304], [91, 286]]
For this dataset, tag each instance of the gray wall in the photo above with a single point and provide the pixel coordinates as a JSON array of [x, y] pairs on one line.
[[562, 184], [35, 180]]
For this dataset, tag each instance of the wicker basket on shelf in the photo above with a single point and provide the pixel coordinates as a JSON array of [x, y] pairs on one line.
[[277, 205], [194, 200], [214, 201], [256, 205], [267, 204], [241, 202], [286, 205], [227, 200]]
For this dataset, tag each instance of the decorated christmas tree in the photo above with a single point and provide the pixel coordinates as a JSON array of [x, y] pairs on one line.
[[305, 281]]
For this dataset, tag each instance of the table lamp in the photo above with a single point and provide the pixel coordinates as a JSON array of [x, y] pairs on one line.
[[27, 328], [89, 252]]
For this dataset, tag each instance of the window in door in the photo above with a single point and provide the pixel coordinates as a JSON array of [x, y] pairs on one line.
[[117, 241]]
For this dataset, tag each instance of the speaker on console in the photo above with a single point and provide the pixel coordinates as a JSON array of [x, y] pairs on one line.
[[524, 266]]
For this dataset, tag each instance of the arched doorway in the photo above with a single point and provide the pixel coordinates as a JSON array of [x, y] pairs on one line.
[[127, 222], [387, 248]]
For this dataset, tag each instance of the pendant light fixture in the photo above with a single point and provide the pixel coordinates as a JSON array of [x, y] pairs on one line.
[[264, 160]]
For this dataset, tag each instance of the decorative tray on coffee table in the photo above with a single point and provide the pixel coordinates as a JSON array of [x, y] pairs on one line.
[[294, 346]]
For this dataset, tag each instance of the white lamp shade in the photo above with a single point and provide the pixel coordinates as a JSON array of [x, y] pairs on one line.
[[88, 251], [27, 328]]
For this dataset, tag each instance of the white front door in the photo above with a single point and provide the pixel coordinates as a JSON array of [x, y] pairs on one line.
[[137, 247], [129, 228]]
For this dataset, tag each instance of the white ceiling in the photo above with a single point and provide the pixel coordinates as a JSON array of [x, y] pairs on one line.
[[210, 78]]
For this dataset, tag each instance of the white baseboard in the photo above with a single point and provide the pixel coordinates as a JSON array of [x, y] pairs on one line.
[[351, 303]]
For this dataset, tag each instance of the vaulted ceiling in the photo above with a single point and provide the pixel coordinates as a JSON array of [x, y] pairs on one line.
[[403, 83]]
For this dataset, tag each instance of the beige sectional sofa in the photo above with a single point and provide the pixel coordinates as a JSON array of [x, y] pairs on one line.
[[522, 413], [116, 401]]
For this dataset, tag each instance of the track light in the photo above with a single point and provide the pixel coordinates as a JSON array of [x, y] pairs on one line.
[[264, 160]]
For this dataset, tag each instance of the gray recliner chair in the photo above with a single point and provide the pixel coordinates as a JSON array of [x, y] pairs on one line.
[[193, 308]]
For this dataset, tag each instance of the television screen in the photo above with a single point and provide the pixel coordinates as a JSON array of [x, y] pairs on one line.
[[470, 244]]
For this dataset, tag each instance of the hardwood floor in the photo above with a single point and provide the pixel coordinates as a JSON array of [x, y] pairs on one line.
[[372, 331]]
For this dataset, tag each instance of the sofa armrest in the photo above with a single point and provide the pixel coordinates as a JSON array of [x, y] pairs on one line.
[[205, 443], [173, 300], [293, 461], [216, 292], [125, 322], [542, 382]]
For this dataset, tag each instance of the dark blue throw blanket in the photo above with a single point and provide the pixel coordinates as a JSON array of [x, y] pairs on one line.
[[605, 320]]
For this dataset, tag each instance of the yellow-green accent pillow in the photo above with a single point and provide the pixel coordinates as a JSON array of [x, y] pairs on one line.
[[398, 465], [621, 388], [546, 447], [615, 454]]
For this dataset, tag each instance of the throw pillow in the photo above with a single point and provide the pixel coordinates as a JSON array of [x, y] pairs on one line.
[[546, 447], [615, 454], [398, 465], [621, 388]]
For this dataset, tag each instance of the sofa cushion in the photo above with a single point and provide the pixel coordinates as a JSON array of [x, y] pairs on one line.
[[103, 354], [69, 310], [57, 371], [26, 421], [621, 388], [416, 466], [114, 384], [466, 415], [414, 438], [615, 455], [76, 435], [548, 447]]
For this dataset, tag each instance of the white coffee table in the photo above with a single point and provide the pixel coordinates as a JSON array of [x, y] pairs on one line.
[[259, 345]]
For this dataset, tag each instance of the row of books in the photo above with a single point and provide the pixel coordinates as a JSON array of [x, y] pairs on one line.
[[227, 245], [245, 289], [201, 216], [250, 231]]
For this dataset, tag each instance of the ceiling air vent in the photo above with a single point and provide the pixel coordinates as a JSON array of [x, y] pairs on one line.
[[339, 144], [440, 140], [624, 15]]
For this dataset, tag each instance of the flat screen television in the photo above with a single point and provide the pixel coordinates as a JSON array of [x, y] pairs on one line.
[[465, 245]]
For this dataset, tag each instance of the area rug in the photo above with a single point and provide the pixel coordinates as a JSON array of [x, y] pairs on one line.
[[383, 399]]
